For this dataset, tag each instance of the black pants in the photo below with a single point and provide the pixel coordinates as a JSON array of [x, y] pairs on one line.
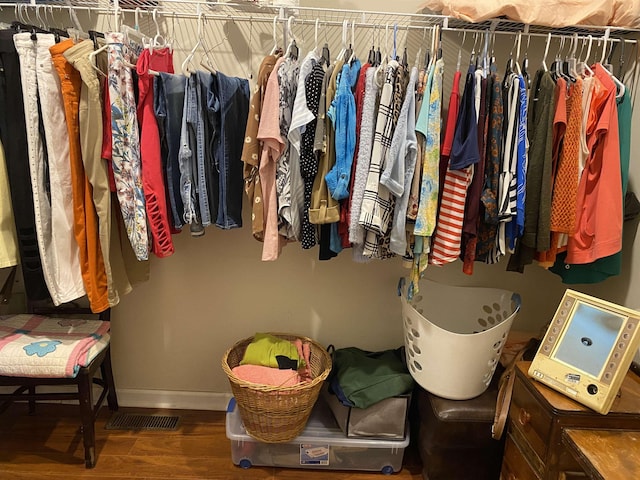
[[13, 134]]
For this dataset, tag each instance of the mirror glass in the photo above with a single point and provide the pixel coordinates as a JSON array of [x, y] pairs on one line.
[[589, 338]]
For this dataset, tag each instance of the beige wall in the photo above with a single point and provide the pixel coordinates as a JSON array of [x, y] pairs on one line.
[[171, 332]]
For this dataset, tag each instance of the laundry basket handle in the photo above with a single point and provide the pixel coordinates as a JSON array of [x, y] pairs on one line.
[[516, 299]]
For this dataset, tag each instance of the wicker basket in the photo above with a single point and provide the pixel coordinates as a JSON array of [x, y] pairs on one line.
[[276, 414]]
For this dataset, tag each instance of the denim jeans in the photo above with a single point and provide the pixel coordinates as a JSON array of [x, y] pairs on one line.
[[169, 93], [13, 134], [208, 169], [229, 104], [187, 158]]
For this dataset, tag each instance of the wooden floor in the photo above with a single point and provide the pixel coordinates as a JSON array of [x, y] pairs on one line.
[[48, 446]]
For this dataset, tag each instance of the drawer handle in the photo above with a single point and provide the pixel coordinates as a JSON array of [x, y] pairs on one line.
[[524, 417]]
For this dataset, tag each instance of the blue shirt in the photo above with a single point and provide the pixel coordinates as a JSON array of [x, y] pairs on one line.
[[342, 113]]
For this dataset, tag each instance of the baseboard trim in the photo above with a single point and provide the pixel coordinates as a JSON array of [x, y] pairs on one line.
[[129, 397], [138, 398]]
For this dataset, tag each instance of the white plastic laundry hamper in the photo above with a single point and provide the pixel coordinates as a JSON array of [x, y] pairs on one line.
[[454, 336]]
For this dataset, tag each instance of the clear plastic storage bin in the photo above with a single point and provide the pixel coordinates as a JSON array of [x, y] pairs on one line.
[[322, 445]]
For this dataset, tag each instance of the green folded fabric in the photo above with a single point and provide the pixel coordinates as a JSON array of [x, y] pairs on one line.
[[366, 378], [265, 348]]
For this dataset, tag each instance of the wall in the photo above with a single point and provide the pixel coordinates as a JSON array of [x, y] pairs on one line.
[[170, 334]]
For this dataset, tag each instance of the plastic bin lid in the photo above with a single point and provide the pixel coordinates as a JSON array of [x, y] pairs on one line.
[[321, 428]]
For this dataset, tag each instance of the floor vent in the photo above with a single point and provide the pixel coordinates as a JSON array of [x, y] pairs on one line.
[[130, 421]]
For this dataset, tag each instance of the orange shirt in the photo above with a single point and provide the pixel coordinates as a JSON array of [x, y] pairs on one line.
[[599, 202]]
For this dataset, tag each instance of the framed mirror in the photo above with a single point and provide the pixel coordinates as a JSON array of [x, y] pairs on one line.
[[587, 349]]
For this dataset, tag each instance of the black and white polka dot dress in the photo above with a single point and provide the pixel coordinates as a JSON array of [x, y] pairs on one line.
[[308, 159]]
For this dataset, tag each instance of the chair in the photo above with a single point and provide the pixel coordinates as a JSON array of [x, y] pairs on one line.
[[83, 380]]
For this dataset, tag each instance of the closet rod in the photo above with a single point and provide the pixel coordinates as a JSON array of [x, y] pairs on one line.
[[428, 21]]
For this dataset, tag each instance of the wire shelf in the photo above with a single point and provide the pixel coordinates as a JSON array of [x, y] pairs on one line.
[[260, 11]]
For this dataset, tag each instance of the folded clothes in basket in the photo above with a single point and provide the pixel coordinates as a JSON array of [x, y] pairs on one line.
[[267, 375], [37, 346], [269, 360]]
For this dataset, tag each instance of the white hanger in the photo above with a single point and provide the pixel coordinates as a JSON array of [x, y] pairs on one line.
[[292, 42], [518, 43], [275, 36], [546, 52], [584, 65], [345, 24], [607, 32], [353, 42], [92, 59], [419, 53], [315, 37], [158, 41], [618, 83], [187, 61]]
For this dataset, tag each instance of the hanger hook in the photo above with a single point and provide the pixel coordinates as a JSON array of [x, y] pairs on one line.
[[290, 28], [607, 32], [353, 34], [316, 32], [275, 31], [546, 52]]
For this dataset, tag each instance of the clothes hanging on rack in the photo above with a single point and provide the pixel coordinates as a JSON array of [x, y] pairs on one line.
[[333, 159], [161, 60], [85, 224]]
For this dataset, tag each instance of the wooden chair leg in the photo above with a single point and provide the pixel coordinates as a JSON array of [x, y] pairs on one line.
[[88, 420], [107, 376]]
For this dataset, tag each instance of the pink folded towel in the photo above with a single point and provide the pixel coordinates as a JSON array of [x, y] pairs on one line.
[[267, 375]]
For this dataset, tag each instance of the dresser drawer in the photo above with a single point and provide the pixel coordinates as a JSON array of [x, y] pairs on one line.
[[530, 419], [514, 463]]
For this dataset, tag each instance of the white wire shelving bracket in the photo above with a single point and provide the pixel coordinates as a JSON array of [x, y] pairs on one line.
[[257, 11]]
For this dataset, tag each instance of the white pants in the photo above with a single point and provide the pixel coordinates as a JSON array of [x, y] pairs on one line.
[[59, 250]]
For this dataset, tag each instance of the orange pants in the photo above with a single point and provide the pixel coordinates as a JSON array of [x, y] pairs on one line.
[[84, 212]]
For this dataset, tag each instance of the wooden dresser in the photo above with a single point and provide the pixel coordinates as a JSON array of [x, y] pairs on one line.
[[605, 454], [534, 449]]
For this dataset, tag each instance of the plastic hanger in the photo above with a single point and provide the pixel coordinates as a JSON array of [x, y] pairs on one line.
[[316, 47], [326, 54], [618, 83], [525, 60], [292, 49], [621, 58], [134, 33], [419, 52], [517, 60], [405, 59], [188, 60], [351, 52], [275, 48], [343, 49], [584, 65], [158, 40], [472, 57], [206, 62], [92, 59], [546, 52], [573, 63], [459, 60]]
